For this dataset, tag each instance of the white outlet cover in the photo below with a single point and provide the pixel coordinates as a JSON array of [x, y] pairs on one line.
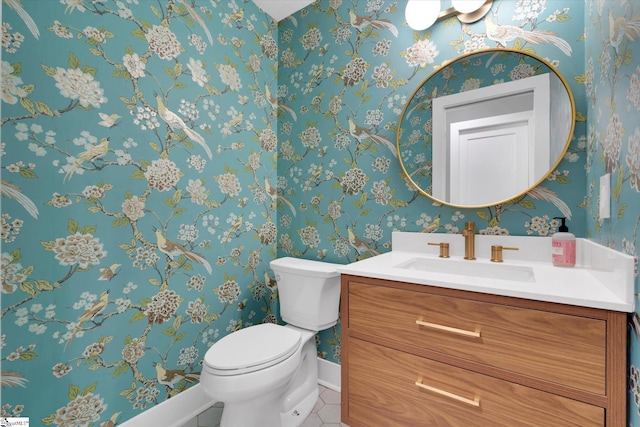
[[604, 202]]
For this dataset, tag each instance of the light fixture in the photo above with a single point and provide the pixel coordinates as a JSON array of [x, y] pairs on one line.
[[421, 14]]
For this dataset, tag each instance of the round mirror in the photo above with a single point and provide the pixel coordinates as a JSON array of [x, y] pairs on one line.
[[485, 128]]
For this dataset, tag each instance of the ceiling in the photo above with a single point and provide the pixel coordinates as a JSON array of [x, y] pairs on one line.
[[280, 9]]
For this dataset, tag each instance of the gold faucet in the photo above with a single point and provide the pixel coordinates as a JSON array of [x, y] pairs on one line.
[[469, 234]]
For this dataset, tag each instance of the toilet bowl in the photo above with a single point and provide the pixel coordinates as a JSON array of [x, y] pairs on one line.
[[267, 375]]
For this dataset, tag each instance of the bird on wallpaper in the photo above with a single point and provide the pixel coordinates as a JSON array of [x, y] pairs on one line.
[[16, 5], [172, 249], [236, 16], [72, 5], [275, 196], [503, 34], [424, 104], [360, 245], [108, 120], [91, 154], [620, 28], [361, 22], [12, 191], [433, 226], [108, 273], [275, 105], [196, 17], [541, 193], [91, 313], [362, 134], [171, 377], [234, 227], [12, 379], [176, 123]]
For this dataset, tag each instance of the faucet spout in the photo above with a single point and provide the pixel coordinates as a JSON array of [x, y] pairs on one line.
[[469, 234]]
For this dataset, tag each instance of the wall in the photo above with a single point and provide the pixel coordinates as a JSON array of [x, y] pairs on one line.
[[612, 82], [346, 185], [95, 306]]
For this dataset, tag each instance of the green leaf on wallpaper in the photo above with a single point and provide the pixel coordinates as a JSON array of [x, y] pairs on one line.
[[49, 71], [170, 72], [43, 285], [361, 202], [27, 288], [74, 391], [494, 222], [48, 245], [621, 210], [44, 109], [121, 369], [580, 117], [179, 211], [177, 322], [137, 174], [74, 62], [96, 52], [28, 105], [28, 355], [72, 226], [482, 215], [179, 337], [90, 70], [179, 85], [527, 204], [139, 34], [49, 420], [89, 389], [15, 255], [616, 191], [29, 88], [562, 179], [138, 315], [90, 229], [169, 332], [169, 202], [156, 11], [580, 78]]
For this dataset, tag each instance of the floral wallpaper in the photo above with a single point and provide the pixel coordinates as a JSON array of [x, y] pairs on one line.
[[157, 155], [612, 83], [138, 158], [346, 71]]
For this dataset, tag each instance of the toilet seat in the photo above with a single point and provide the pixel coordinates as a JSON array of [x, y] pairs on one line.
[[252, 349]]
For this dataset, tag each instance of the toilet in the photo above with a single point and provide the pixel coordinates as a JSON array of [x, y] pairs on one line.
[[267, 375]]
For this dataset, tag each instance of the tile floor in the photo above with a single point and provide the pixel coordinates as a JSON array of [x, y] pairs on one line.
[[326, 413]]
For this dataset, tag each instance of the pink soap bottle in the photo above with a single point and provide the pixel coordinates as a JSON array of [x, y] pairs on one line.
[[563, 246]]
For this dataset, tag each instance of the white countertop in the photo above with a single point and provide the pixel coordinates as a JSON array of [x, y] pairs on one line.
[[602, 278]]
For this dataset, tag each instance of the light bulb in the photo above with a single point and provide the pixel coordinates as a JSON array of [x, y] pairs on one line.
[[421, 14], [467, 6]]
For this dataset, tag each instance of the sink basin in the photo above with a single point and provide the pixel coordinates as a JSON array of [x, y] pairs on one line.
[[516, 273]]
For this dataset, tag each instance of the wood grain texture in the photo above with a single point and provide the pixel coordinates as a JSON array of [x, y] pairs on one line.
[[383, 393], [566, 349], [564, 362]]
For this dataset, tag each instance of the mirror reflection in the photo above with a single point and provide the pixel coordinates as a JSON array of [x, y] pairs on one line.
[[485, 128]]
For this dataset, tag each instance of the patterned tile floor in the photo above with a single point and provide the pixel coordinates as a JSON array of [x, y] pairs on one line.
[[326, 413]]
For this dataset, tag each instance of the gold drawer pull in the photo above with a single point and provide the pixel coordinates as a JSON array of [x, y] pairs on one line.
[[475, 402], [474, 334]]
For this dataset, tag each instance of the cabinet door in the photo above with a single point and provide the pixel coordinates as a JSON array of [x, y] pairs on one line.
[[564, 349], [389, 388]]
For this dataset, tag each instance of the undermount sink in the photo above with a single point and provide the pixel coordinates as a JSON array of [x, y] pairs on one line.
[[517, 273]]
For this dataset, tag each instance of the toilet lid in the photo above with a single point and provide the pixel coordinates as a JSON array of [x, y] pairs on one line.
[[253, 348]]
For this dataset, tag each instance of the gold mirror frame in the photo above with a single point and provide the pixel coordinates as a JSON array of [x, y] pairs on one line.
[[428, 92]]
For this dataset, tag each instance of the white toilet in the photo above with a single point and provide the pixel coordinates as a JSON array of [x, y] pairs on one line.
[[267, 375]]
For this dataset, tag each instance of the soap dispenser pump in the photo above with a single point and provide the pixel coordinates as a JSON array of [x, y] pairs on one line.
[[563, 246]]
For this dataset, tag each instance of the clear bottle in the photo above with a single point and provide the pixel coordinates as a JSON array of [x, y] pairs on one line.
[[563, 246]]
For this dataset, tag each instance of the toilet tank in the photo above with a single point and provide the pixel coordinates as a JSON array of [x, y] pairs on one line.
[[309, 292]]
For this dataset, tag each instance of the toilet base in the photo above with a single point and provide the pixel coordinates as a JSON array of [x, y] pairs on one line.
[[297, 415]]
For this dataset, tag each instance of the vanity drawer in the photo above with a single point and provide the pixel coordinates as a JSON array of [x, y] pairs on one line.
[[560, 348], [383, 393]]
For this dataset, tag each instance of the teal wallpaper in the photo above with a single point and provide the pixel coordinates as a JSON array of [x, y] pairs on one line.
[[156, 155], [138, 154], [346, 70], [612, 82]]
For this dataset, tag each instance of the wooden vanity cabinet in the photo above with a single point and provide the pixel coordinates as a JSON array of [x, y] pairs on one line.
[[416, 355]]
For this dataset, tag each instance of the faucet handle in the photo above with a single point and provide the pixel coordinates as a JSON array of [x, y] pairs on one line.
[[444, 249], [496, 252]]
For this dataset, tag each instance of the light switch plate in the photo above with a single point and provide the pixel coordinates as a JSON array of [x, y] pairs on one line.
[[604, 202]]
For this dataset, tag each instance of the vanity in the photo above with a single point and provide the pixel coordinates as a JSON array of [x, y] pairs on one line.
[[431, 341]]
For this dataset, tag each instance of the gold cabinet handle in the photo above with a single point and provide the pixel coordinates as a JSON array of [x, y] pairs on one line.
[[474, 334], [475, 402]]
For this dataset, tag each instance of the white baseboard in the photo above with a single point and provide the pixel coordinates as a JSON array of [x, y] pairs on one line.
[[178, 410], [174, 412], [329, 374]]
